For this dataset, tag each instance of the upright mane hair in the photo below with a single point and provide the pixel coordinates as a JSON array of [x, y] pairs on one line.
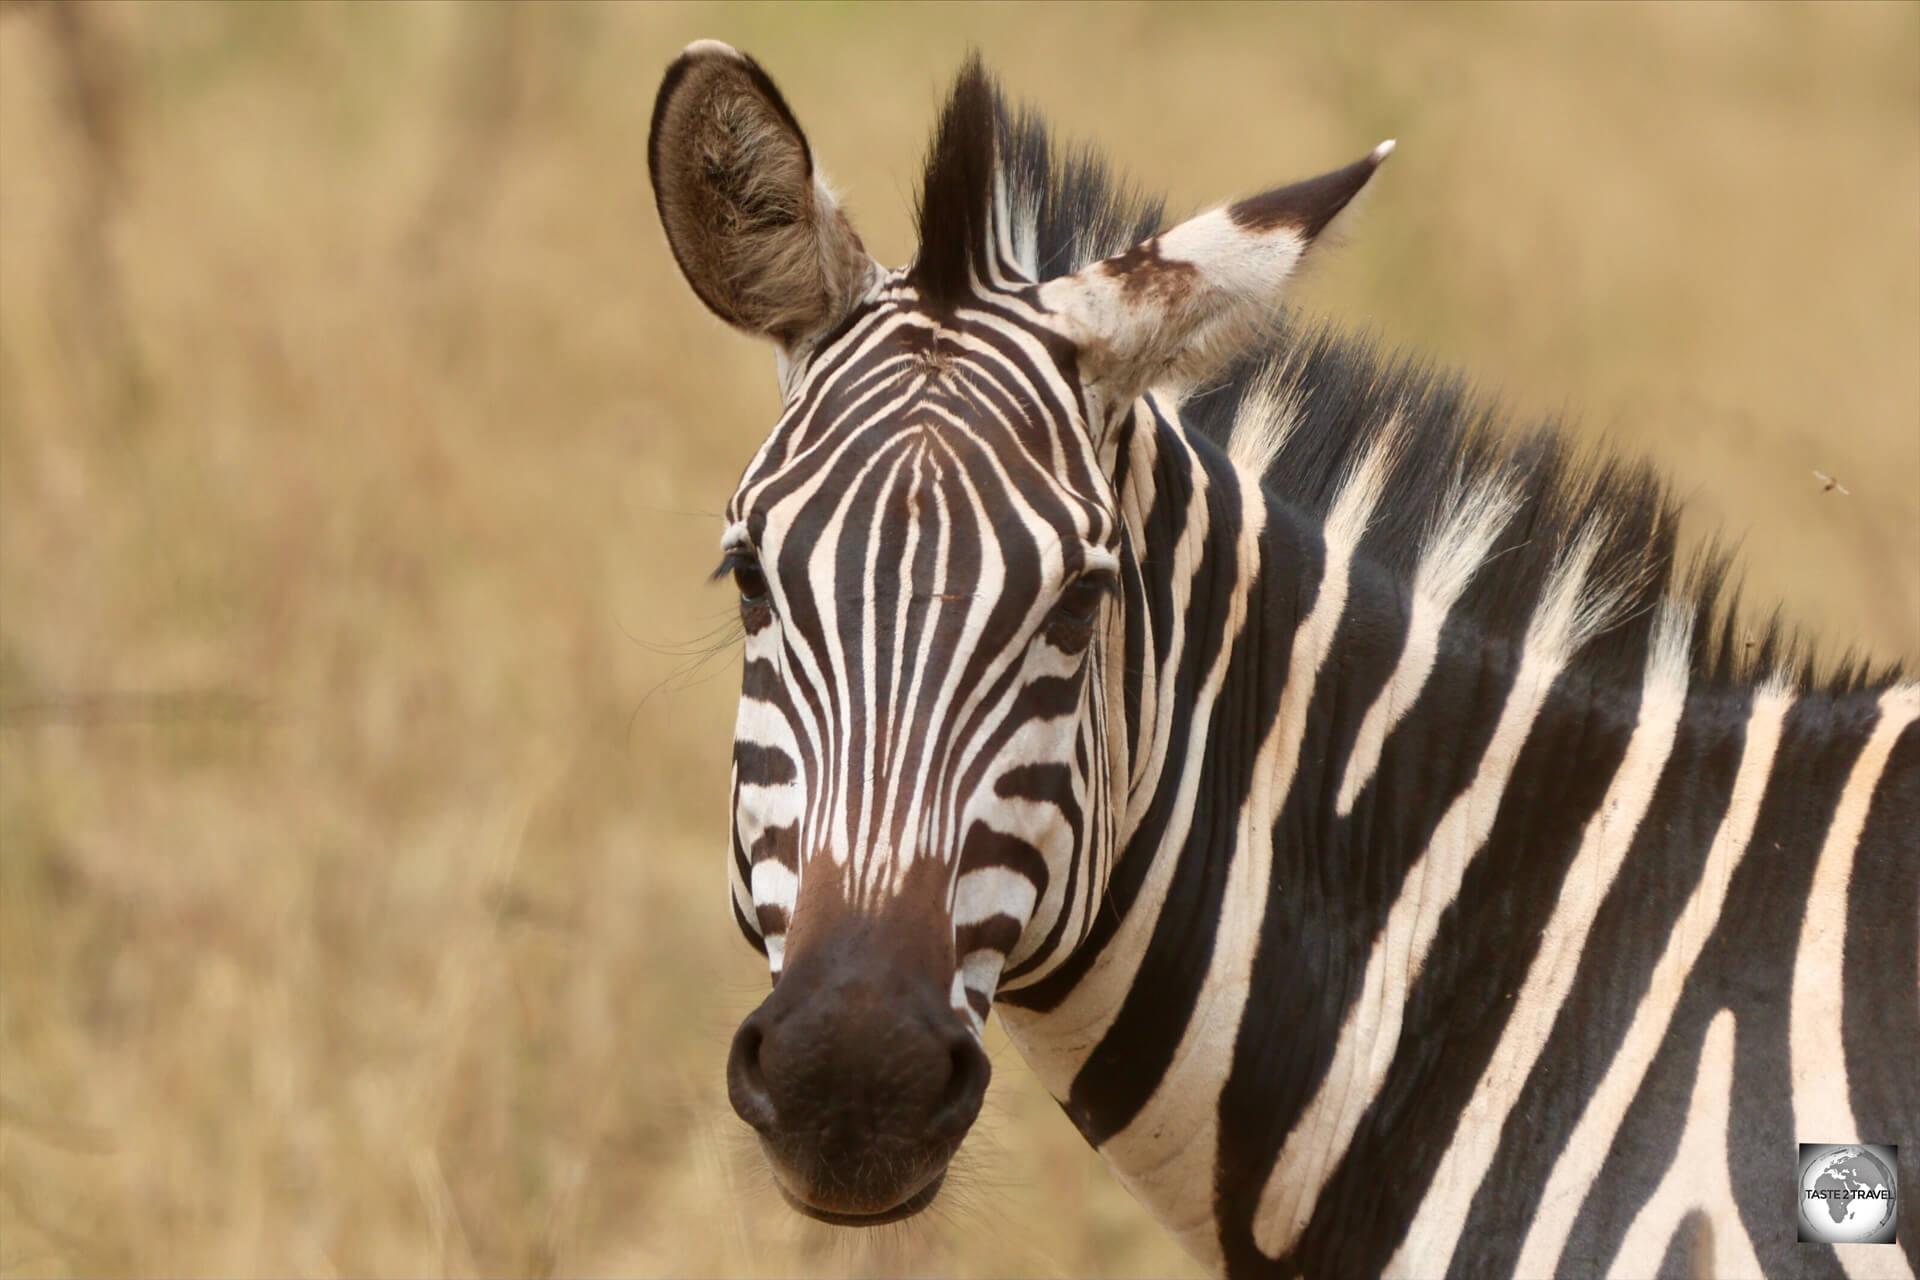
[[997, 177]]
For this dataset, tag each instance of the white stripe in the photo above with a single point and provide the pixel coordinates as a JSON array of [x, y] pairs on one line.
[[1371, 1033], [876, 809], [949, 701], [853, 364], [1822, 1107], [989, 891], [1017, 222], [1039, 824], [965, 703], [1266, 417], [737, 888], [830, 660], [1430, 1242], [774, 885], [1170, 1146], [806, 673], [979, 971], [1146, 754], [1592, 1138], [1447, 564], [1698, 1177], [1037, 382], [1072, 1030], [761, 807]]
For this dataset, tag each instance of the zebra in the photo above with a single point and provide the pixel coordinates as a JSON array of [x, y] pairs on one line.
[[1381, 836]]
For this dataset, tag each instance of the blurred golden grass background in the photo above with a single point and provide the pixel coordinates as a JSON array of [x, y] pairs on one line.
[[362, 793]]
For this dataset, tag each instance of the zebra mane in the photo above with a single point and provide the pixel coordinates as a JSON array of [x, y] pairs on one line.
[[1325, 401], [1063, 206]]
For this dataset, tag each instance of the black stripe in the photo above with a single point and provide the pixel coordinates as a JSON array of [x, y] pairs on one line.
[[1880, 1016], [997, 932], [1334, 883], [777, 844], [1173, 495], [742, 866], [1747, 967], [986, 847], [748, 929], [1458, 1007], [1690, 1252], [761, 682], [762, 765], [1123, 1070], [1624, 942], [877, 488]]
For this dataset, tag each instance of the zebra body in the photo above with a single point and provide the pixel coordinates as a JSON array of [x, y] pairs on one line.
[[1368, 831]]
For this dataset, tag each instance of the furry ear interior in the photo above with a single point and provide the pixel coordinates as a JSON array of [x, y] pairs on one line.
[[756, 233], [1179, 305]]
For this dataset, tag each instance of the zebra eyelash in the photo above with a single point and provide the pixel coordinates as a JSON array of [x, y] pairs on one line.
[[735, 559], [744, 565], [1105, 580], [1102, 582], [1069, 623]]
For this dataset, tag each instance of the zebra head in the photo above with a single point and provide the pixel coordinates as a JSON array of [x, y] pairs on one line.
[[937, 585]]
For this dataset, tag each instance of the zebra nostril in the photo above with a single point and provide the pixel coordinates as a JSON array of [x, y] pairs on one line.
[[967, 1075], [746, 1084]]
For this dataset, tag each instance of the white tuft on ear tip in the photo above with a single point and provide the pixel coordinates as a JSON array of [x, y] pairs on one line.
[[1382, 151], [711, 47]]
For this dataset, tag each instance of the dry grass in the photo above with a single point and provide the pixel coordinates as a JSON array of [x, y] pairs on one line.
[[361, 894]]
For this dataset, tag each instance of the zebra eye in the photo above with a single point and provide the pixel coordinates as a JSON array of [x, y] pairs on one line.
[[1070, 625], [752, 584], [756, 601]]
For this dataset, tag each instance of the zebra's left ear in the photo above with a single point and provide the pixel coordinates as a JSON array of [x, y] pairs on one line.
[[1177, 306]]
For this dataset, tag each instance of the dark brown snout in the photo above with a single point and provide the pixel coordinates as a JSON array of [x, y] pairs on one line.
[[861, 1080]]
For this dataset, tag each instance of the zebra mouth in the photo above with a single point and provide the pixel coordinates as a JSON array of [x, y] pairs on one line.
[[905, 1209]]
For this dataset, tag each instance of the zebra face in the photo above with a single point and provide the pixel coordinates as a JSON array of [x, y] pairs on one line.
[[921, 590], [931, 559], [922, 595]]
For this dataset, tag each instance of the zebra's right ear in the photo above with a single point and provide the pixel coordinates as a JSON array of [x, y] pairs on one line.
[[756, 233]]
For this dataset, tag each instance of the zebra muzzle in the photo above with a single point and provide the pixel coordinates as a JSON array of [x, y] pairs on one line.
[[861, 1081]]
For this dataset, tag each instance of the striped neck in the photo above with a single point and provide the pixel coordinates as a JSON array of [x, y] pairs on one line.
[[1264, 935], [1231, 601]]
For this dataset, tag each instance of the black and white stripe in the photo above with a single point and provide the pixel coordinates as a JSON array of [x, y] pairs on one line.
[[1391, 852]]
